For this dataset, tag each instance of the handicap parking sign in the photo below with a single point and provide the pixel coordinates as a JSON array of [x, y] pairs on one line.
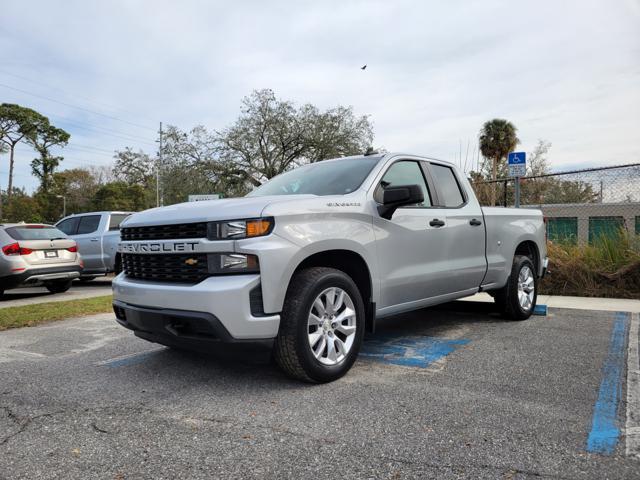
[[517, 164]]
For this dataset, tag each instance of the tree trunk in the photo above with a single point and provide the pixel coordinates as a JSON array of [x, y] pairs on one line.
[[11, 160], [494, 175]]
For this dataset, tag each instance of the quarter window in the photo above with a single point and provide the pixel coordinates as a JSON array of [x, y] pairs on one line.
[[449, 193], [404, 173]]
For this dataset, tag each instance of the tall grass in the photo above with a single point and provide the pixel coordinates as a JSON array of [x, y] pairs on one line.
[[610, 267]]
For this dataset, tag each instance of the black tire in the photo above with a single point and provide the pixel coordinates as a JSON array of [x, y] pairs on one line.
[[1, 294], [117, 267], [292, 351], [507, 297], [58, 286]]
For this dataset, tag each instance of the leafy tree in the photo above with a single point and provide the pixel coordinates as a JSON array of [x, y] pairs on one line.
[[119, 196], [78, 186], [16, 124], [42, 138], [272, 135], [134, 168], [497, 138], [23, 208]]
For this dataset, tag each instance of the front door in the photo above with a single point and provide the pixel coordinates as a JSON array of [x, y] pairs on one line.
[[412, 247]]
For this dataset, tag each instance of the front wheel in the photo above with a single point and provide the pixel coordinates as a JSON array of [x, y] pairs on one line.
[[321, 326], [517, 299], [58, 286]]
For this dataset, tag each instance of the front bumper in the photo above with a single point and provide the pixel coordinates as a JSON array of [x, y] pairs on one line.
[[218, 308], [37, 275]]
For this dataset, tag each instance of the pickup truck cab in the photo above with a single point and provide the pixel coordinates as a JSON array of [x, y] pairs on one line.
[[315, 255], [97, 235]]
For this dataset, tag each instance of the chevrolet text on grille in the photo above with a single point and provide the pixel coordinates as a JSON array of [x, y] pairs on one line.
[[157, 247]]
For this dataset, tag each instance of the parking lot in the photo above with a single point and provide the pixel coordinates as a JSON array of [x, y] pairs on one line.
[[448, 392]]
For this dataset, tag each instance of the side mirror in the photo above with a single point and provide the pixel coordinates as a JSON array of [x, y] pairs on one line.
[[394, 197]]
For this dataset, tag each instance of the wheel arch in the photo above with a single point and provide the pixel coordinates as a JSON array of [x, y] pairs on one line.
[[351, 263]]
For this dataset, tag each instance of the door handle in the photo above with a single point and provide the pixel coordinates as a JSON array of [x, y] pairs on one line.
[[436, 223], [95, 239], [475, 222]]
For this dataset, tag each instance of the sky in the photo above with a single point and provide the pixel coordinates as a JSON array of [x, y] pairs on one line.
[[109, 71]]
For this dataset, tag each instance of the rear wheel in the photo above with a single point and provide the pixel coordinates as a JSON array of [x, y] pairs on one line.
[[58, 286], [518, 297], [321, 326]]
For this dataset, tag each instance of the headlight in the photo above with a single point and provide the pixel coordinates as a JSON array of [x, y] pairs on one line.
[[221, 263], [237, 229]]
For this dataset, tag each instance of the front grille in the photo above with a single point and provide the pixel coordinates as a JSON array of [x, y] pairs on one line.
[[166, 268], [165, 232]]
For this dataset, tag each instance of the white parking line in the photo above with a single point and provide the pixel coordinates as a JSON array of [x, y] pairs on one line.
[[632, 429]]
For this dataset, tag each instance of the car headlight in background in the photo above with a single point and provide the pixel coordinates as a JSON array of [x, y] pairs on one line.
[[238, 229], [223, 263]]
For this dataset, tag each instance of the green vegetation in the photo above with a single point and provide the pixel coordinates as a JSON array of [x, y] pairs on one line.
[[30, 315], [270, 136], [608, 267]]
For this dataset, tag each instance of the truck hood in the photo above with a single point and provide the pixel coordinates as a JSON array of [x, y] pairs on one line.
[[210, 210]]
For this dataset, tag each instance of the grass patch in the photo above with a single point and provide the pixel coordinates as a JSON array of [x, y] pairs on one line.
[[30, 315], [608, 268]]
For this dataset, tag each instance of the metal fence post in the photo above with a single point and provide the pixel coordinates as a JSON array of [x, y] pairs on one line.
[[517, 192], [504, 194]]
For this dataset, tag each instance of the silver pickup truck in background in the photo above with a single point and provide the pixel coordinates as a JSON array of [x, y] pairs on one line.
[[97, 235], [311, 258]]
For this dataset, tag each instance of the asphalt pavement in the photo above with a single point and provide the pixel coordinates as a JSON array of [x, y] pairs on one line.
[[31, 295], [449, 392]]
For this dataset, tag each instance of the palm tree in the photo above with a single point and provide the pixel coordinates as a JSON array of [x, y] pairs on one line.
[[497, 138]]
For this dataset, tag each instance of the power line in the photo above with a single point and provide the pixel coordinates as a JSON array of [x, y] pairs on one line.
[[81, 97], [77, 107], [105, 131]]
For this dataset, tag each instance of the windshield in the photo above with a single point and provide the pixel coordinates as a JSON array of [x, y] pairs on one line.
[[35, 232], [320, 178]]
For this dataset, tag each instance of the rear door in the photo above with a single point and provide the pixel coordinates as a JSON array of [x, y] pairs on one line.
[[89, 239], [463, 229]]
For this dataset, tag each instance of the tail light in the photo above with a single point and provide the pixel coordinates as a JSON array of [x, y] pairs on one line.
[[73, 249], [16, 249]]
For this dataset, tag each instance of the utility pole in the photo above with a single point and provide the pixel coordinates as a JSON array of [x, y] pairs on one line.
[[158, 169]]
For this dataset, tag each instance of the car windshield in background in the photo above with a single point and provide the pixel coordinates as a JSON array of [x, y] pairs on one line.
[[320, 178], [35, 232]]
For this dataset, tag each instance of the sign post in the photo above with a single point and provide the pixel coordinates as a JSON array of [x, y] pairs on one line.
[[517, 168]]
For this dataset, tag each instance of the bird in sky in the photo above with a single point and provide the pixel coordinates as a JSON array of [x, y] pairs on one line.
[[364, 67]]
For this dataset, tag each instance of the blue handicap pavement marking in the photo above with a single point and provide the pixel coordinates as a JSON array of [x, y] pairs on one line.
[[410, 351], [540, 310], [605, 430]]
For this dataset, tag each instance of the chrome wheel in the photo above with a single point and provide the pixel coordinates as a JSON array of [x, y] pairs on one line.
[[331, 326], [526, 288]]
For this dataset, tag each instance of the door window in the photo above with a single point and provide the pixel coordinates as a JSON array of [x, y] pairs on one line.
[[88, 224], [69, 226], [449, 193], [404, 173]]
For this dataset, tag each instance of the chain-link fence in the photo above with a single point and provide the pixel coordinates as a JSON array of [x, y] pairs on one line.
[[581, 206], [593, 226]]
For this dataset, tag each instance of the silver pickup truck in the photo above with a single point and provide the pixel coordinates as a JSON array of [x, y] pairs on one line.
[[97, 235], [314, 256]]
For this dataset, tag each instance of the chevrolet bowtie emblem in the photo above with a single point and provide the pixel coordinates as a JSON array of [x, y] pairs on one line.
[[191, 261]]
